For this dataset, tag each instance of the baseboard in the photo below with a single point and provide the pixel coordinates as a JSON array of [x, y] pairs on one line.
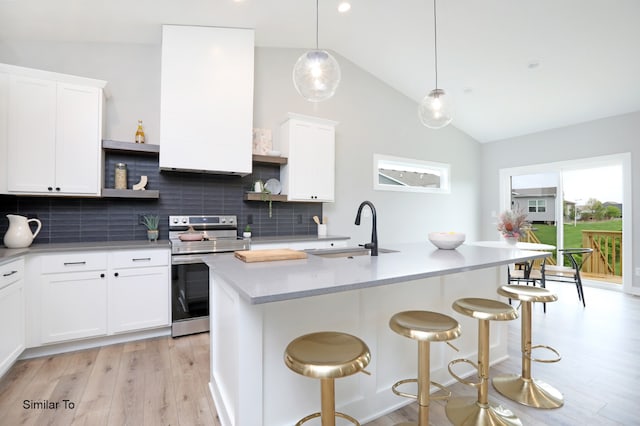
[[78, 345]]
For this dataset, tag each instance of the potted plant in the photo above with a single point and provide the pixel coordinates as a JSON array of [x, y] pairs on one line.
[[247, 232], [151, 222]]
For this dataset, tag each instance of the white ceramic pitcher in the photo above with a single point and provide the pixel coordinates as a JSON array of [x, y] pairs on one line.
[[19, 234]]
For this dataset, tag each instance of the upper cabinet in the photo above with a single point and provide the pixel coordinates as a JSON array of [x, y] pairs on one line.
[[53, 133], [309, 144], [206, 102]]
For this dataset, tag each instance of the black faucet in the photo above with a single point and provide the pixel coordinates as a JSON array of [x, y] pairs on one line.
[[373, 245]]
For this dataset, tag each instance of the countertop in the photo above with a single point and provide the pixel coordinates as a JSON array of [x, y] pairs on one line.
[[265, 282], [8, 254], [295, 238]]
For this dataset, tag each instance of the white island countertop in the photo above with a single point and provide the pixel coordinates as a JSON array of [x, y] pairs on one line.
[[265, 282]]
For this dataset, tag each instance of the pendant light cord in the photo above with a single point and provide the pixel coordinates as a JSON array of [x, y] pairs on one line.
[[435, 40], [317, 24]]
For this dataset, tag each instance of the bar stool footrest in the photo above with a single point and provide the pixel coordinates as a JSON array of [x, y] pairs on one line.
[[549, 348], [412, 396], [315, 415], [460, 379]]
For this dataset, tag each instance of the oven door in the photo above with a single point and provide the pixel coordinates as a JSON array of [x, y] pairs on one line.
[[189, 295]]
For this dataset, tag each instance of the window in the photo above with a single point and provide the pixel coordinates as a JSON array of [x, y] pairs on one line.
[[408, 175], [537, 206]]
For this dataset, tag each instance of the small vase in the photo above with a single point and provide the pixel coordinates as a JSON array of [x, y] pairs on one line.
[[152, 234], [246, 235], [511, 240]]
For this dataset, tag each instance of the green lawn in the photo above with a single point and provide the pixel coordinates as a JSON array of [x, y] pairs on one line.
[[573, 234]]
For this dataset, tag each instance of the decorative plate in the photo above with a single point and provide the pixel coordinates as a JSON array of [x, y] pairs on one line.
[[273, 186]]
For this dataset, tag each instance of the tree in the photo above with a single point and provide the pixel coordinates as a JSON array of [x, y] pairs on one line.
[[612, 212], [593, 209]]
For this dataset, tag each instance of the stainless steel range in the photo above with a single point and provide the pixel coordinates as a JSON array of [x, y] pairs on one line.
[[191, 237]]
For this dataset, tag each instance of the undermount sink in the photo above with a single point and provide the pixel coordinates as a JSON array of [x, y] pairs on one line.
[[346, 252]]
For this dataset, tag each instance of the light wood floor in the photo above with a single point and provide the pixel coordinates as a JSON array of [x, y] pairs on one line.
[[599, 373], [156, 382], [165, 381]]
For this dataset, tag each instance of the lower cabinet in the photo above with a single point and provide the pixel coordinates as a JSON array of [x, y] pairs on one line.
[[12, 313], [138, 290], [74, 305], [78, 295]]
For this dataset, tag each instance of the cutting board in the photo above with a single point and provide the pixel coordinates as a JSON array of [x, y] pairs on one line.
[[268, 255]]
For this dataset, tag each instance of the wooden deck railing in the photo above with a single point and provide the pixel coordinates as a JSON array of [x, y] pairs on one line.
[[607, 252], [531, 237]]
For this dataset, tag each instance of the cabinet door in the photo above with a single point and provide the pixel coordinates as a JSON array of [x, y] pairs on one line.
[[12, 314], [138, 298], [31, 135], [206, 103], [74, 305], [4, 123], [311, 161], [78, 137]]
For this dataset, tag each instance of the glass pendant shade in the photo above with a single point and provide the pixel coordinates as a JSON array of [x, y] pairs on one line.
[[436, 109], [316, 75]]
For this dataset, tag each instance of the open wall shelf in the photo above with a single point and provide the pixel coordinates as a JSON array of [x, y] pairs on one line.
[[132, 147]]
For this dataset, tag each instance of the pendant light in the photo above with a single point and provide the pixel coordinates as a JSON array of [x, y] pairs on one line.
[[436, 109], [316, 74]]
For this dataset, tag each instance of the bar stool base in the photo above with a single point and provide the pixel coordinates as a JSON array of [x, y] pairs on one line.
[[530, 392], [468, 412]]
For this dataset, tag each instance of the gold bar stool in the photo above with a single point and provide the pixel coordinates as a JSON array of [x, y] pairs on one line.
[[471, 411], [523, 388], [327, 355], [425, 327]]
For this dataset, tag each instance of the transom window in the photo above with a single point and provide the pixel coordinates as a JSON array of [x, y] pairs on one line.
[[409, 175]]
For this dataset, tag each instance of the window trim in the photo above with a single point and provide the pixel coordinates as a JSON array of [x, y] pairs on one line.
[[387, 161]]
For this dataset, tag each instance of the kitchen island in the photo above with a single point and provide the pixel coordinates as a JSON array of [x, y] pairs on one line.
[[258, 308]]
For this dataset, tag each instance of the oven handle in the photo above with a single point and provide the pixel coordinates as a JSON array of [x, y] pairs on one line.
[[186, 259]]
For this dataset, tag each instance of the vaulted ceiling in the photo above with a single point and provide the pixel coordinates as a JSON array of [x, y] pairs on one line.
[[513, 67]]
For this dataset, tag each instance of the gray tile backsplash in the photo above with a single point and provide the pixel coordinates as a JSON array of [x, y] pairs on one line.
[[116, 219]]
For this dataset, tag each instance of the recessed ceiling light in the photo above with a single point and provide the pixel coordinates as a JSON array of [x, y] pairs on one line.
[[344, 6]]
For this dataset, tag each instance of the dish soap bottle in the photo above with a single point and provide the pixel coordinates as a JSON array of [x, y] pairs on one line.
[[140, 133]]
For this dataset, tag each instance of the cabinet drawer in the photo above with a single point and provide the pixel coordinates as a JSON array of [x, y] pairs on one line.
[[73, 262], [11, 272], [139, 258]]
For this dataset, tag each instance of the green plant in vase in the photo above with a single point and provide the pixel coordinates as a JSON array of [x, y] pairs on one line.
[[151, 222]]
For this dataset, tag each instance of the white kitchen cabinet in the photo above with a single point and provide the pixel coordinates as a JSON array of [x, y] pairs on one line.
[[12, 313], [309, 144], [139, 284], [206, 101], [73, 296], [54, 132], [4, 120]]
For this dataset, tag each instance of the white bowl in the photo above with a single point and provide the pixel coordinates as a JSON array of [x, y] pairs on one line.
[[446, 240]]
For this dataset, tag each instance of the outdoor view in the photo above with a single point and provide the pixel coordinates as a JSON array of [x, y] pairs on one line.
[[591, 216]]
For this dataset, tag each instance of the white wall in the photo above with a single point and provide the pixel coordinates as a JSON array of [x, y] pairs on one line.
[[603, 137], [373, 119]]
